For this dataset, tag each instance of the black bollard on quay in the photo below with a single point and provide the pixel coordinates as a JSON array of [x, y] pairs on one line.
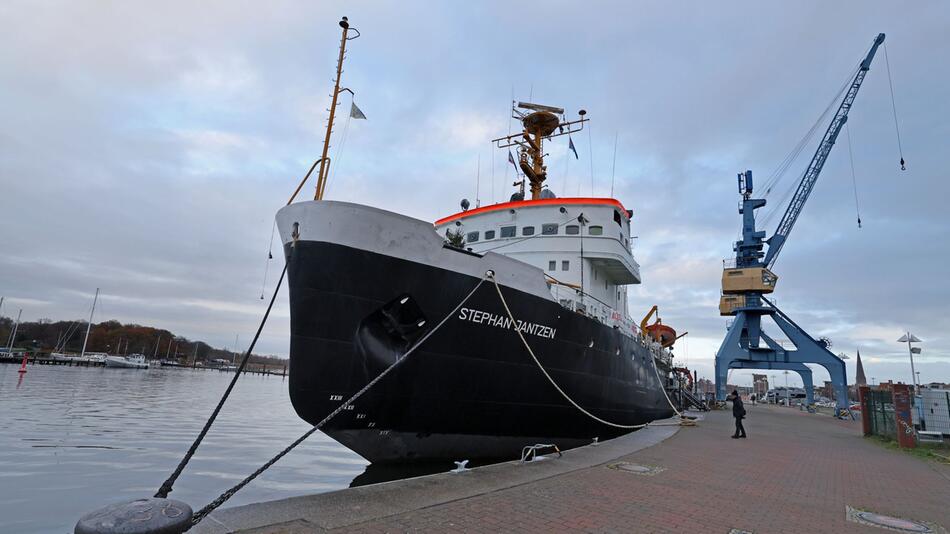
[[152, 515]]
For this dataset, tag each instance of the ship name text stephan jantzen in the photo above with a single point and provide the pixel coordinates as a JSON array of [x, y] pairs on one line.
[[484, 317]]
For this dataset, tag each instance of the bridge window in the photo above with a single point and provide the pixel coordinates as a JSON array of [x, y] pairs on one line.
[[552, 265], [508, 231], [472, 237], [527, 230], [572, 229], [489, 234], [565, 265], [617, 219], [596, 230], [549, 229]]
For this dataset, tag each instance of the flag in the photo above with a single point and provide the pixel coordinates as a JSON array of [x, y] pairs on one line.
[[355, 112], [511, 159], [570, 145]]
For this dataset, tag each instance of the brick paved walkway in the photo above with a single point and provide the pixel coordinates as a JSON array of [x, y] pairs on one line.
[[796, 473]]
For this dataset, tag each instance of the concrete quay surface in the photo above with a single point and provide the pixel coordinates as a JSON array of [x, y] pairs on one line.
[[796, 472]]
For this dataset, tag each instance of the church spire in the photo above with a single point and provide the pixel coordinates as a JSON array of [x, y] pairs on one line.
[[859, 378]]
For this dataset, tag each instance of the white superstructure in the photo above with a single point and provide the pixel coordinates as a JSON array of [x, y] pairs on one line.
[[583, 246]]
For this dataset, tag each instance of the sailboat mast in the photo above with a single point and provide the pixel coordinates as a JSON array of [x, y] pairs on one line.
[[324, 167], [16, 327], [89, 325]]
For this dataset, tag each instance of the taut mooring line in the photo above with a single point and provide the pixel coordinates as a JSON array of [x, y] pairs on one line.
[[166, 487], [201, 514]]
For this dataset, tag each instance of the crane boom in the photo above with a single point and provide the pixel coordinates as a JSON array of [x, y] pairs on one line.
[[810, 177]]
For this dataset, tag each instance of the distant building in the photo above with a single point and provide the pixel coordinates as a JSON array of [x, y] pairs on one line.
[[828, 390], [704, 385], [760, 384]]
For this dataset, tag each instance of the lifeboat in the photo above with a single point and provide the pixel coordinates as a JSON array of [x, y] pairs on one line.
[[662, 333]]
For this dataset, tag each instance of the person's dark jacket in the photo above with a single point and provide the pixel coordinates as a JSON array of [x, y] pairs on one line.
[[738, 410]]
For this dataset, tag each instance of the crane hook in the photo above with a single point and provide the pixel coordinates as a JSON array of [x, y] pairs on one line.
[[903, 167]]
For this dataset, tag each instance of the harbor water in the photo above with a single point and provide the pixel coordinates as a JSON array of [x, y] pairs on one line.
[[74, 439]]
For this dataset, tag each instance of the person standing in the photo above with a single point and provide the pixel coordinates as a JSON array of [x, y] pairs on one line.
[[738, 412]]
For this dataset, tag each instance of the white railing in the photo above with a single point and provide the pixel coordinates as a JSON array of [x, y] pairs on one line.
[[572, 298]]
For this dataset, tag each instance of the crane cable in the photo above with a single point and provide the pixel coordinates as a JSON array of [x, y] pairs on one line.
[[897, 129], [854, 181], [780, 171]]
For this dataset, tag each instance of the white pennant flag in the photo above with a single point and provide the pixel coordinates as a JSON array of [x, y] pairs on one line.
[[355, 112]]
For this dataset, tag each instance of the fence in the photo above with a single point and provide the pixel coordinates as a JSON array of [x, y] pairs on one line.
[[888, 413], [879, 406]]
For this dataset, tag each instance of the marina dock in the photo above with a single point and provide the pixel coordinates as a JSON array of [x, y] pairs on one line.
[[796, 472], [42, 359], [48, 360]]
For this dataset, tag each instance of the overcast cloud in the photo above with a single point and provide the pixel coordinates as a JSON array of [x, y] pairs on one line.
[[146, 146]]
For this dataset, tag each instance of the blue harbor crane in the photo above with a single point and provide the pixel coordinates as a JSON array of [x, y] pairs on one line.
[[744, 283]]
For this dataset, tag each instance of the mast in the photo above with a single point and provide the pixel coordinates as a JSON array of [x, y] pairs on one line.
[[540, 123], [324, 167], [16, 326], [89, 325]]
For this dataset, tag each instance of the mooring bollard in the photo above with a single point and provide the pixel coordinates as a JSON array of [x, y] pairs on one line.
[[151, 515]]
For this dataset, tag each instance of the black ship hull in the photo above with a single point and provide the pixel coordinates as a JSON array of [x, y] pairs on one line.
[[471, 390]]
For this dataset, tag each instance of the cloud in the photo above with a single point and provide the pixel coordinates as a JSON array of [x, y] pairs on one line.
[[146, 149]]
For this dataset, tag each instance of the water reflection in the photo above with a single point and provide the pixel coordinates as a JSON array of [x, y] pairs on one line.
[[77, 438]]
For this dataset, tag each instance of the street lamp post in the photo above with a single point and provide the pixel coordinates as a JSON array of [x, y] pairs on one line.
[[911, 350], [788, 398]]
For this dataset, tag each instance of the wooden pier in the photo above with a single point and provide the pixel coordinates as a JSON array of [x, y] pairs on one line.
[[47, 360]]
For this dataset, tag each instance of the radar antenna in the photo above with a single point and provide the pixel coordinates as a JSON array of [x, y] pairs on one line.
[[540, 123]]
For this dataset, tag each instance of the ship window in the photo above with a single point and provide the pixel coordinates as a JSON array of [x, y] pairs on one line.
[[617, 219], [549, 229], [596, 230], [527, 230], [552, 265], [572, 229], [508, 231], [472, 237], [489, 234], [565, 265]]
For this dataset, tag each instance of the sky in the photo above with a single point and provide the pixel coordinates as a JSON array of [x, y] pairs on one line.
[[145, 148]]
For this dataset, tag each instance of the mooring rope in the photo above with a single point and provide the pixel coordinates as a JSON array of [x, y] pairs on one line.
[[166, 487], [544, 371], [567, 397], [221, 499]]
